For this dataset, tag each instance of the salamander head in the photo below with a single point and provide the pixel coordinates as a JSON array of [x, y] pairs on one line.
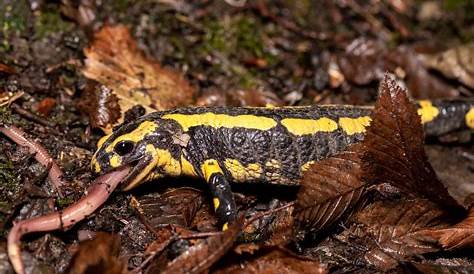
[[151, 147]]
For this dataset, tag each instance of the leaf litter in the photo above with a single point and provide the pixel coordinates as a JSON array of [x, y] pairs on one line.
[[361, 225]]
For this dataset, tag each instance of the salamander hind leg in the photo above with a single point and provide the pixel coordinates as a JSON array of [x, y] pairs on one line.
[[223, 201]]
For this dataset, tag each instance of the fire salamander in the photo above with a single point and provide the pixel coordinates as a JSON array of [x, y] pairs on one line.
[[235, 144]]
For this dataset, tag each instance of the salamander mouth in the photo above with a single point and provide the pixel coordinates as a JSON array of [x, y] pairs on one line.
[[137, 173]]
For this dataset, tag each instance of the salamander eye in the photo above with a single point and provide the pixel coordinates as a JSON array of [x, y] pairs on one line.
[[123, 147]]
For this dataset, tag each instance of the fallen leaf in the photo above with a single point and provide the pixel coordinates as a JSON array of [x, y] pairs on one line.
[[99, 255], [101, 105], [7, 69], [394, 152], [419, 81], [45, 106], [445, 266], [460, 235], [329, 189], [362, 61], [176, 206], [456, 63], [203, 255], [275, 261], [394, 226], [114, 60], [253, 98]]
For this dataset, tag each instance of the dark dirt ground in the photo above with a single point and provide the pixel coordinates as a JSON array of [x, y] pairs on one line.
[[278, 52]]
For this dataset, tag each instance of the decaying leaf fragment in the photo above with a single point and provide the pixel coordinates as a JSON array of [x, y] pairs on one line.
[[114, 60], [273, 262], [329, 189], [98, 256], [100, 104], [460, 235], [201, 256], [177, 206], [395, 226], [394, 152], [456, 63]]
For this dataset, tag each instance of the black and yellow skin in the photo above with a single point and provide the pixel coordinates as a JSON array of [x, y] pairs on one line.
[[232, 144]]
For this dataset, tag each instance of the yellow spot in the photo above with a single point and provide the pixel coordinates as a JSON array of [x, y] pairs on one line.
[[273, 163], [96, 165], [299, 126], [222, 120], [427, 111], [470, 118], [306, 166], [354, 125], [225, 227], [187, 168], [240, 173], [147, 170], [216, 203], [169, 165], [115, 160], [102, 140], [136, 135], [210, 167]]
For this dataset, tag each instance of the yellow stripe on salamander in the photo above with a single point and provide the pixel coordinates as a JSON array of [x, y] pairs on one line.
[[299, 126], [241, 173], [187, 121], [470, 118], [210, 167], [354, 125], [427, 111]]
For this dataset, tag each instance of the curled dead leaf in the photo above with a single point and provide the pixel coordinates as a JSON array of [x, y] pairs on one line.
[[203, 255], [114, 60], [460, 235], [101, 105], [456, 63], [393, 228], [99, 255]]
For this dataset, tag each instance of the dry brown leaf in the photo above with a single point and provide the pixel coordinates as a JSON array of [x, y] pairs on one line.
[[456, 63], [203, 255], [329, 189], [394, 227], [100, 104], [275, 262], [114, 60], [445, 266], [460, 235], [99, 255], [176, 206], [394, 152]]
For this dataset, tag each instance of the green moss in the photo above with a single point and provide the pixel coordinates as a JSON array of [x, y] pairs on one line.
[[234, 36], [235, 39], [13, 21], [5, 116], [63, 202], [50, 21], [9, 184]]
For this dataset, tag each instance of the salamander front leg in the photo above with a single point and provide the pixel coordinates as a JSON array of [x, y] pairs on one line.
[[224, 203]]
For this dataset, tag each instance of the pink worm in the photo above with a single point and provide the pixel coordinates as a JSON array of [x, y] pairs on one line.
[[97, 195], [41, 155]]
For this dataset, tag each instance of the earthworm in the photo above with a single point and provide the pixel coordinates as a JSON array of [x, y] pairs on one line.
[[41, 155], [96, 195]]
